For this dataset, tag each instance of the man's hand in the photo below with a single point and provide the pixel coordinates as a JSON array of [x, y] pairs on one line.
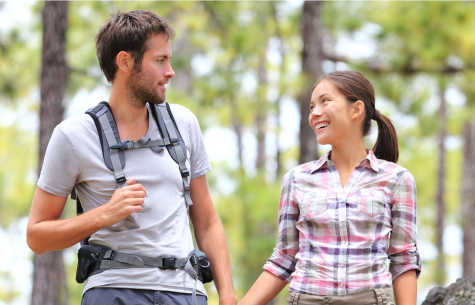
[[124, 202], [47, 232]]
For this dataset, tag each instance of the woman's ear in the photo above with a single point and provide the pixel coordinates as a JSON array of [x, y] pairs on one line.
[[358, 110]]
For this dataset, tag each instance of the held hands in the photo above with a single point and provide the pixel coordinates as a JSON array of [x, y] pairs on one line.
[[124, 202]]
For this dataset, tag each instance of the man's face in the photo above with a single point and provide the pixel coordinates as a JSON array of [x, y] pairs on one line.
[[147, 84]]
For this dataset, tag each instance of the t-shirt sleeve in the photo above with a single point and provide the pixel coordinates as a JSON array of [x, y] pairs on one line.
[[60, 169], [199, 162]]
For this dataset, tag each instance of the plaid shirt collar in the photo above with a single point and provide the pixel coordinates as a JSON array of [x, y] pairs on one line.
[[324, 162]]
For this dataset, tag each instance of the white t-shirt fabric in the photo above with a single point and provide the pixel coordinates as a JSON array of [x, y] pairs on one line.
[[74, 158]]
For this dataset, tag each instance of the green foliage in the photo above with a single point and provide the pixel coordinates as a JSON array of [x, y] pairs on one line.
[[17, 175]]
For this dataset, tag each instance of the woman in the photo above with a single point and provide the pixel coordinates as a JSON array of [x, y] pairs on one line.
[[336, 215]]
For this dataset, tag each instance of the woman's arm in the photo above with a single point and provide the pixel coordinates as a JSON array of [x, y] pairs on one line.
[[266, 288], [405, 288]]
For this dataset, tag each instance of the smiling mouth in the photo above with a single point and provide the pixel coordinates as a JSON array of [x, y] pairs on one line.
[[321, 126]]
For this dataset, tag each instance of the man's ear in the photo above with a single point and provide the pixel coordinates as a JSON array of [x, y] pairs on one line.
[[124, 62], [358, 110]]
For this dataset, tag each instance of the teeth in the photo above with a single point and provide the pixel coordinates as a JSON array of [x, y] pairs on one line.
[[321, 125]]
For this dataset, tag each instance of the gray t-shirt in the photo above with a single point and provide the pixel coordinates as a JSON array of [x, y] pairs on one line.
[[161, 228]]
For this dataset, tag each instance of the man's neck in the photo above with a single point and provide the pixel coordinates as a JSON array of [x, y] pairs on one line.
[[132, 122]]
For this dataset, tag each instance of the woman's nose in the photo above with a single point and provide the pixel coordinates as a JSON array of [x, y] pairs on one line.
[[316, 112]]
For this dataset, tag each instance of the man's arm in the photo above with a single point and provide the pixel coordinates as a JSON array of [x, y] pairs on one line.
[[209, 233], [46, 232]]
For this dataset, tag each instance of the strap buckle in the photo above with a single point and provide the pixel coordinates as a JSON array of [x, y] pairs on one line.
[[168, 262], [124, 145]]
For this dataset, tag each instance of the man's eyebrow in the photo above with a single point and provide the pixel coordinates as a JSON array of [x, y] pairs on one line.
[[163, 56]]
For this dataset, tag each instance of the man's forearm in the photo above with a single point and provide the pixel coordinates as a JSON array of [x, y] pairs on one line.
[[212, 241], [60, 234]]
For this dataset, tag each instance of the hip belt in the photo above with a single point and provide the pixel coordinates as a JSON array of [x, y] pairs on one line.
[[95, 258]]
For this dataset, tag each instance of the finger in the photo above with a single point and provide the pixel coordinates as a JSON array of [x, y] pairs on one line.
[[136, 187], [138, 194], [131, 181]]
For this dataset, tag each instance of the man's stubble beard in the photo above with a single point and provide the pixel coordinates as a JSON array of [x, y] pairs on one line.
[[140, 90]]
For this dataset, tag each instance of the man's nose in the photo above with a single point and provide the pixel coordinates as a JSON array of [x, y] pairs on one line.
[[169, 73]]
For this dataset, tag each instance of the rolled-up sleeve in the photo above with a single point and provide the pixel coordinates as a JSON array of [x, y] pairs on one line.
[[282, 262], [403, 252]]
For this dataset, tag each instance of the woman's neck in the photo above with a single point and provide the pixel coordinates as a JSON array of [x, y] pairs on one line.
[[347, 157]]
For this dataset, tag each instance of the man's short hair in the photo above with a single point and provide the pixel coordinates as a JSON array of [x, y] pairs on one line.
[[128, 32]]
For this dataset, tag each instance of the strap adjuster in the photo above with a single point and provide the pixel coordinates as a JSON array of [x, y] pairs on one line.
[[185, 173], [120, 179], [110, 254], [168, 262]]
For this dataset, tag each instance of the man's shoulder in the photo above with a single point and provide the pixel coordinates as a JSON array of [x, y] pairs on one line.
[[180, 111], [77, 126]]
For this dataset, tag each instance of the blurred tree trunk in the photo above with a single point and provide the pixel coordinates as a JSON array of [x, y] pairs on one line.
[[278, 33], [468, 199], [261, 116], [182, 53], [49, 284], [440, 279], [312, 57]]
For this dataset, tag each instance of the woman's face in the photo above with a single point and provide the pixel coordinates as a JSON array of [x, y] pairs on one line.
[[332, 117]]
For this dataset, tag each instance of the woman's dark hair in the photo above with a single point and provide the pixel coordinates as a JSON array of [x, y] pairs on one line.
[[355, 87]]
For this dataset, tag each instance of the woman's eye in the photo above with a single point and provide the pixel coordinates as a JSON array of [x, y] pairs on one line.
[[325, 100]]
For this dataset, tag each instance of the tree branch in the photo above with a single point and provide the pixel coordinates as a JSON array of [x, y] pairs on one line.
[[379, 67]]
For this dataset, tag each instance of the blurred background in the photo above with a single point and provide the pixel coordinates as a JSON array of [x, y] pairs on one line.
[[246, 70]]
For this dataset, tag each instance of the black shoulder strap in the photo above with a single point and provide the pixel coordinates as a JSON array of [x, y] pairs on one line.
[[169, 129], [109, 136]]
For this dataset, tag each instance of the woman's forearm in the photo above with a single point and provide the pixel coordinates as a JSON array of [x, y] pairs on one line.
[[266, 288], [405, 288]]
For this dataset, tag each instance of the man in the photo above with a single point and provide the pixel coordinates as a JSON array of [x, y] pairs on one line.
[[148, 216]]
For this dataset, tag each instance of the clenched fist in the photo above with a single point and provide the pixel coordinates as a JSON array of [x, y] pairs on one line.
[[124, 202]]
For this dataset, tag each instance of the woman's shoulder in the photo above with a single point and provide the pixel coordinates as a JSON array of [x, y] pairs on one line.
[[393, 168]]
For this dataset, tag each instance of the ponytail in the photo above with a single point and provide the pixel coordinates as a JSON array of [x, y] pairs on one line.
[[387, 145]]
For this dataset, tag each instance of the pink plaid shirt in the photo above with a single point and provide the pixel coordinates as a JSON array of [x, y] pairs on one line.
[[334, 240]]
